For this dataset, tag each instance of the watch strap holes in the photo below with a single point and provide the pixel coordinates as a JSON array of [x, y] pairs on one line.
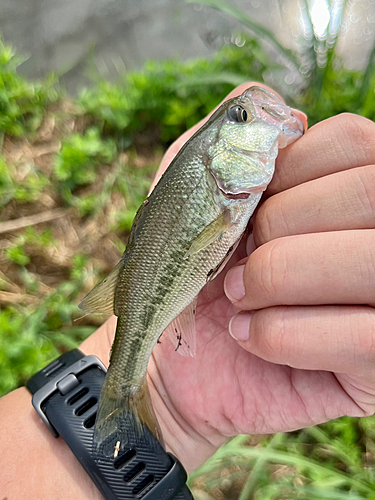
[[134, 472], [90, 422], [77, 396], [124, 459], [143, 485], [53, 367], [85, 406]]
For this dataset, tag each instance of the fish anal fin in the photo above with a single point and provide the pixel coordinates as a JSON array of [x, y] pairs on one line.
[[181, 330], [101, 297], [210, 233]]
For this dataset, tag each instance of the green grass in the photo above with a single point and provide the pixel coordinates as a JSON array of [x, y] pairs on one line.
[[22, 103], [99, 159], [23, 185], [77, 164], [168, 97], [31, 337], [325, 462]]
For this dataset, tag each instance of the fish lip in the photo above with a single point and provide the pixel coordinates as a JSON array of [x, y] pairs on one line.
[[242, 195], [235, 196], [301, 127]]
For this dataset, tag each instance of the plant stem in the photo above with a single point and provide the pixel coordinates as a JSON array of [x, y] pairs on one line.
[[234, 11], [251, 482]]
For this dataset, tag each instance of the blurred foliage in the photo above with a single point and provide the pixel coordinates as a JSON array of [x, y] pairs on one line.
[[22, 104], [172, 95], [27, 242], [79, 157], [30, 337], [323, 462], [133, 188], [110, 145], [22, 184], [322, 86], [77, 163]]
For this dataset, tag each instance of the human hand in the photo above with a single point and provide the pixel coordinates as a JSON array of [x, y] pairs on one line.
[[307, 325], [310, 351]]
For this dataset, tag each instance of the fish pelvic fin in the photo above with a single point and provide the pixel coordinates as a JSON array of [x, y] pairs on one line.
[[181, 330], [125, 419]]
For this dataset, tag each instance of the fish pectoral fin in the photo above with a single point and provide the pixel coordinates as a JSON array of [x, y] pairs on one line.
[[101, 297], [217, 270], [181, 330], [210, 233]]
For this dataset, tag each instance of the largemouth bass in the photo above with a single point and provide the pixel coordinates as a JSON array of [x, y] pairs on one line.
[[181, 237]]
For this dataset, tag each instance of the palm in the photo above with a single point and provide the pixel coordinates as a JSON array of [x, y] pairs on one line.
[[225, 390]]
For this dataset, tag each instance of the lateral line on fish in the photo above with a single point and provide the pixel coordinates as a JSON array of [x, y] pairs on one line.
[[177, 227]]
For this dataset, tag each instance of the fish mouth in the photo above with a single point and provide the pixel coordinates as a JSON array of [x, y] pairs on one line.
[[235, 196], [241, 195]]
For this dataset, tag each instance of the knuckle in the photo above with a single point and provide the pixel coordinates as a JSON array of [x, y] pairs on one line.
[[266, 272], [358, 132], [262, 226], [365, 183], [365, 340], [364, 266], [287, 171], [272, 339], [272, 220], [368, 410]]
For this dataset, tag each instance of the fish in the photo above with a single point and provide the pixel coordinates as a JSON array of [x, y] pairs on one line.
[[181, 237]]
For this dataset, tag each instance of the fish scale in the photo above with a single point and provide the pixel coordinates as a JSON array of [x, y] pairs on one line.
[[180, 238]]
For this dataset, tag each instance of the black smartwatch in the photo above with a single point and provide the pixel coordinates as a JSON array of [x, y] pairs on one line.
[[65, 395]]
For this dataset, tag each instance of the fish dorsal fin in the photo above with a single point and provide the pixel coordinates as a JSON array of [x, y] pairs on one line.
[[210, 233], [136, 219], [181, 330], [101, 297]]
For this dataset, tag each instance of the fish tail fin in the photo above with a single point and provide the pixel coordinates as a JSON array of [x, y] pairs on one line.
[[123, 419]]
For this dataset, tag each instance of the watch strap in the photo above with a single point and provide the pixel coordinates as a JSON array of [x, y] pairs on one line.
[[66, 394]]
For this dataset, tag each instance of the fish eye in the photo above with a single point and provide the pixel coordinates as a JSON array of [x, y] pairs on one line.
[[237, 114]]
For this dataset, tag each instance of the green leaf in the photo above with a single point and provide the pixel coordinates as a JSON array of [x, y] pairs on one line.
[[17, 255]]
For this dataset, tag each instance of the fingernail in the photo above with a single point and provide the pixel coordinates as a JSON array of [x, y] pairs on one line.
[[250, 244], [233, 285], [239, 326]]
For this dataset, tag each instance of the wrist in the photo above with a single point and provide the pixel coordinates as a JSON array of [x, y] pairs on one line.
[[48, 466]]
